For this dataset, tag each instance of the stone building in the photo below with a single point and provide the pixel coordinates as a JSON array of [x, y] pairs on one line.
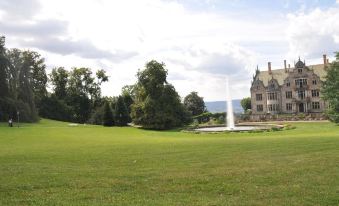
[[288, 90]]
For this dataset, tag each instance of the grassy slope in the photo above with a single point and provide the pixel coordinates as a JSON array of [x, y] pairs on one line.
[[51, 163]]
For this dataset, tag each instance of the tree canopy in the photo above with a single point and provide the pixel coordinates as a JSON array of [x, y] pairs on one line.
[[121, 112], [246, 103], [23, 82], [330, 90], [75, 94], [157, 105], [195, 104], [108, 118]]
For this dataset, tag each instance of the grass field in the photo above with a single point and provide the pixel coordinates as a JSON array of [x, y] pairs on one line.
[[51, 163]]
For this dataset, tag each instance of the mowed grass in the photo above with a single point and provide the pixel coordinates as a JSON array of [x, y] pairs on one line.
[[52, 163]]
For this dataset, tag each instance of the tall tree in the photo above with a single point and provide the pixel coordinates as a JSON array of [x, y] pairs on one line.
[[25, 81], [4, 67], [6, 108], [15, 57], [80, 81], [81, 91], [95, 89], [130, 90], [38, 75], [26, 93], [59, 78], [128, 94], [121, 112], [79, 87], [157, 105], [108, 119], [195, 104], [330, 90]]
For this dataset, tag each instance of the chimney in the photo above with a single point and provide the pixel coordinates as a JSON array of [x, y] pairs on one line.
[[269, 68], [289, 66], [325, 60], [285, 66]]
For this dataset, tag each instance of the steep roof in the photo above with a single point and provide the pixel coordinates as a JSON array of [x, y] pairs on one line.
[[280, 75]]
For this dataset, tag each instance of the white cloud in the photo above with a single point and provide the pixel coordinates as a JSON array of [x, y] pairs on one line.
[[313, 34], [198, 44], [199, 48]]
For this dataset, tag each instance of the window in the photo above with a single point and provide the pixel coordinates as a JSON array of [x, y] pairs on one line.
[[300, 70], [300, 82], [314, 82], [272, 96], [315, 93], [276, 107], [289, 106], [315, 105], [301, 94], [288, 84], [258, 97], [273, 107], [272, 86], [289, 95], [260, 108]]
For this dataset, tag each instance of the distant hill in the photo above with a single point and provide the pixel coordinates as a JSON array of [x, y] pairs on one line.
[[220, 106]]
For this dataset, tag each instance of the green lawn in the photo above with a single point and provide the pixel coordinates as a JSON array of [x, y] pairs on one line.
[[52, 163]]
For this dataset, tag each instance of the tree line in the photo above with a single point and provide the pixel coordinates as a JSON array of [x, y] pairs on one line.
[[75, 94], [23, 82]]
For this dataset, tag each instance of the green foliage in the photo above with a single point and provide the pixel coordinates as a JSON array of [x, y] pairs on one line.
[[54, 108], [59, 78], [210, 118], [80, 107], [9, 108], [157, 105], [203, 118], [4, 67], [22, 83], [15, 58], [129, 90], [81, 92], [195, 104], [246, 103], [108, 118], [330, 90], [121, 112], [128, 94], [39, 76], [97, 116], [26, 93], [101, 76], [80, 82], [221, 120]]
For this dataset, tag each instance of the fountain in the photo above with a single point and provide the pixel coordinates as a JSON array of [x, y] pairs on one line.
[[230, 126], [230, 114]]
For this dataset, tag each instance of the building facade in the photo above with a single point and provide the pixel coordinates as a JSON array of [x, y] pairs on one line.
[[289, 90]]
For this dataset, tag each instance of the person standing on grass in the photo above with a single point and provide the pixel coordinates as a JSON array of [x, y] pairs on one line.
[[10, 122]]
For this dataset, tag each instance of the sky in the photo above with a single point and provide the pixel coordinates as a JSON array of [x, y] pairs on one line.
[[201, 42]]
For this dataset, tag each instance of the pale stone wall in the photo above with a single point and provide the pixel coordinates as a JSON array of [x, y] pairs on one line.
[[299, 105], [258, 88]]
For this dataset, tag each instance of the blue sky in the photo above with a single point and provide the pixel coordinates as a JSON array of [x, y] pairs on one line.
[[200, 41]]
